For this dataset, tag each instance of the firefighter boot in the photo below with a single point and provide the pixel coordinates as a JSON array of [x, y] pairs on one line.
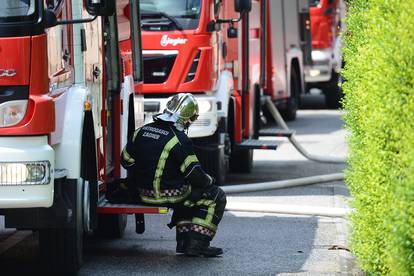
[[201, 248], [118, 193], [121, 192], [182, 239]]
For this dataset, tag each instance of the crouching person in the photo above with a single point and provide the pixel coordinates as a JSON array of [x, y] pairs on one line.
[[162, 164]]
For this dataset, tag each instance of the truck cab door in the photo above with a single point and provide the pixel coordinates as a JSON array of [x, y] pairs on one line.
[[91, 41]]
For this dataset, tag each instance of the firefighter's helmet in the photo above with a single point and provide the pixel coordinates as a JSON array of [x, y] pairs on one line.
[[182, 109]]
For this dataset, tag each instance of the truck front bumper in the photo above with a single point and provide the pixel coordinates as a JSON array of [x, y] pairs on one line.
[[321, 70], [204, 126], [26, 172]]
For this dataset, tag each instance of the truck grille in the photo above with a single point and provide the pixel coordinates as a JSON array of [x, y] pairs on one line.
[[201, 123], [13, 93], [157, 67]]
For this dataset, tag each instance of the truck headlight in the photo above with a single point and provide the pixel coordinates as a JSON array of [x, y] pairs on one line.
[[25, 173], [204, 106], [12, 112], [314, 72]]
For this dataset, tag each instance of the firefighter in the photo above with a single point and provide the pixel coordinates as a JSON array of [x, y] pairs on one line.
[[161, 162]]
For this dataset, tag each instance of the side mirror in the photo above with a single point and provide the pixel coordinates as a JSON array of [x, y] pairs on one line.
[[240, 6], [50, 18], [101, 7], [243, 6], [232, 32]]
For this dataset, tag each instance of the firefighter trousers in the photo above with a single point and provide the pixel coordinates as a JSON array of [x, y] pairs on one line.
[[200, 213]]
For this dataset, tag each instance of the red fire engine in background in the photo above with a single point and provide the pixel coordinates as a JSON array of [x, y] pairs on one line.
[[326, 26]]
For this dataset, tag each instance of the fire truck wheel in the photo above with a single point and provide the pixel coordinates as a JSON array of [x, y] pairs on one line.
[[333, 92], [111, 226], [219, 168], [61, 249], [213, 161], [289, 112], [241, 161]]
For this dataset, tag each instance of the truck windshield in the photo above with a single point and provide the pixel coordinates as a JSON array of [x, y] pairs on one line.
[[17, 10], [314, 3], [160, 15]]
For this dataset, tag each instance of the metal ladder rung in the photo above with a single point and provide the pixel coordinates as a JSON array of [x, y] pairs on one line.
[[258, 144], [276, 132]]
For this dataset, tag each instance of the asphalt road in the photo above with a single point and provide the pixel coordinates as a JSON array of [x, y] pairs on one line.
[[254, 243]]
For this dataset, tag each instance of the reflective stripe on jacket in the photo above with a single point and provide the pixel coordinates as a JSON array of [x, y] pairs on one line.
[[159, 157]]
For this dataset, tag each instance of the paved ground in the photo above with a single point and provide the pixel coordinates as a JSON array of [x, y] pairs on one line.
[[254, 244]]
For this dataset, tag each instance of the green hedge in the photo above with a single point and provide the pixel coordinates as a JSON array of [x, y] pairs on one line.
[[379, 99]]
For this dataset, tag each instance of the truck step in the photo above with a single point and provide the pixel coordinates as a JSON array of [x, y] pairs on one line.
[[258, 144], [104, 207], [276, 132]]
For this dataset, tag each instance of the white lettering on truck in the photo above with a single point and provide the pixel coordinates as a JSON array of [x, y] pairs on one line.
[[165, 41]]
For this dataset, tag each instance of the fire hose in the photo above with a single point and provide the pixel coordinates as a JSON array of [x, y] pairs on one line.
[[237, 206], [240, 206], [243, 206], [273, 185], [279, 120]]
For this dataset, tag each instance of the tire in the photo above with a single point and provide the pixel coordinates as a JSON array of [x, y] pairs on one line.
[[111, 226], [289, 112], [333, 92], [61, 249], [241, 161], [213, 161]]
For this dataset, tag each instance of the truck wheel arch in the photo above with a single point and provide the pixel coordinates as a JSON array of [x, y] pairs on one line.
[[68, 150], [299, 73], [225, 87], [89, 169]]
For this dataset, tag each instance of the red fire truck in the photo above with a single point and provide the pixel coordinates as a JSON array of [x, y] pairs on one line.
[[326, 25], [229, 54], [66, 110]]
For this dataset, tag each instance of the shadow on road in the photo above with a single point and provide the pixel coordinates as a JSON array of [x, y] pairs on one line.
[[321, 122], [261, 245], [276, 250], [315, 99], [23, 259]]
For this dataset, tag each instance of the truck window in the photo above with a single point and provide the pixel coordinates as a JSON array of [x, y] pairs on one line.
[[161, 14], [17, 10], [20, 18], [314, 3], [59, 50]]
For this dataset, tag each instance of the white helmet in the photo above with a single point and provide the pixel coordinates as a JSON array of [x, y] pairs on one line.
[[182, 110]]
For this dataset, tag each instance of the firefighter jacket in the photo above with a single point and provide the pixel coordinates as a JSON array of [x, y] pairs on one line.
[[161, 161]]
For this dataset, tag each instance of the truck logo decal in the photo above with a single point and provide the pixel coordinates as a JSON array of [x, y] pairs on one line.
[[165, 41], [7, 73]]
